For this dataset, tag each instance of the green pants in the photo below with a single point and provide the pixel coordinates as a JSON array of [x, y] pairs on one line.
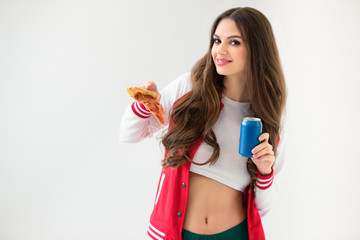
[[239, 232]]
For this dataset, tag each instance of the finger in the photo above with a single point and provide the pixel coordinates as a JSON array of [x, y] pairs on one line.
[[150, 85], [266, 158], [153, 87], [259, 147], [147, 85], [264, 136], [266, 150]]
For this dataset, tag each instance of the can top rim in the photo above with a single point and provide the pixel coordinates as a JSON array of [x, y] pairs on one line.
[[252, 119]]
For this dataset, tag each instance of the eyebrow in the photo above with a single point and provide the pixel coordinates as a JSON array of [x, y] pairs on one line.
[[233, 36]]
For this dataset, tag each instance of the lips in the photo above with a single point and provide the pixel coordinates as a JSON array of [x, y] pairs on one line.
[[222, 61]]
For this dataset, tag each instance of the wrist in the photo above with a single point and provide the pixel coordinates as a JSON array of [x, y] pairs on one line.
[[266, 173], [265, 181], [140, 110]]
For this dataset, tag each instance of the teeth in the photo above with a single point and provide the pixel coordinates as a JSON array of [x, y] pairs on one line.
[[222, 61]]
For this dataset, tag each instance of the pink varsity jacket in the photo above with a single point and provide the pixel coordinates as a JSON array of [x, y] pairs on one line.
[[167, 218], [168, 215]]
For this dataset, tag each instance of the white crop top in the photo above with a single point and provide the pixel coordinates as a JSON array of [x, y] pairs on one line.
[[230, 169]]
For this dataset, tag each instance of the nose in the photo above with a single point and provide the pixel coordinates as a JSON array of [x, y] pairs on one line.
[[221, 49]]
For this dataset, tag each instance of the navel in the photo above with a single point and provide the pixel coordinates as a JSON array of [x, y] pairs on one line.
[[206, 220]]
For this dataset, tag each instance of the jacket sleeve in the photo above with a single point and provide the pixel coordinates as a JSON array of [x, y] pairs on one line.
[[267, 187], [137, 123]]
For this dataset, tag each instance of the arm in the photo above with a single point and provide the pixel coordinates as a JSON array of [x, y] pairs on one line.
[[267, 187], [137, 123]]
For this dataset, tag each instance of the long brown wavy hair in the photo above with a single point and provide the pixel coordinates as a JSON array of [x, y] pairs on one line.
[[195, 114]]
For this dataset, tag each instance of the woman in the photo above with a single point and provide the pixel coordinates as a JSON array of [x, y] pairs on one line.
[[206, 189]]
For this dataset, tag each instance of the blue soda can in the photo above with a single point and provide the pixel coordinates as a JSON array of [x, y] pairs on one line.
[[251, 129]]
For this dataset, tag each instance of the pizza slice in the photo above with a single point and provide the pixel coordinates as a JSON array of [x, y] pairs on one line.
[[149, 99]]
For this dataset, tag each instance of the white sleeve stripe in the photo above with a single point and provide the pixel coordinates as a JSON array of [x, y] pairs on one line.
[[265, 180], [153, 235], [156, 230], [142, 109], [140, 112], [264, 185]]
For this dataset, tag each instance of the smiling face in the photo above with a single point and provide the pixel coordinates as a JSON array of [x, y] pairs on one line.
[[229, 50]]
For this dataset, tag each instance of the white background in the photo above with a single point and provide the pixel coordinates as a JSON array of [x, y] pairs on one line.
[[64, 68]]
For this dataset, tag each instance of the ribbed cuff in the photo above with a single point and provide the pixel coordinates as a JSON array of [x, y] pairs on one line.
[[140, 110], [264, 182]]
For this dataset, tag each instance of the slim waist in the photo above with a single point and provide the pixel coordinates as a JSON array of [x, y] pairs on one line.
[[240, 231]]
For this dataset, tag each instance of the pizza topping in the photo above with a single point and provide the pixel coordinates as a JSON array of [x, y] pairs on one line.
[[149, 100]]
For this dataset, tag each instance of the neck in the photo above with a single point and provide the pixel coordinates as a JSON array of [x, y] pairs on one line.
[[235, 88]]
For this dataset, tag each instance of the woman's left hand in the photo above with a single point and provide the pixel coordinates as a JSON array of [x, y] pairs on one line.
[[263, 155]]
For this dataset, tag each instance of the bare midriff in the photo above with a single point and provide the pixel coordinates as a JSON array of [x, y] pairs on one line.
[[212, 206]]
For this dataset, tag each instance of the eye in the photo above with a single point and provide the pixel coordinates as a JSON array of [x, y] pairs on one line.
[[215, 40], [233, 42]]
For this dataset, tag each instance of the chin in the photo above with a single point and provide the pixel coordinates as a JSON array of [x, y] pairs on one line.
[[222, 72]]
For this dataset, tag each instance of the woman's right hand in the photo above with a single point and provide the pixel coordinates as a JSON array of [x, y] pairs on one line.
[[152, 87]]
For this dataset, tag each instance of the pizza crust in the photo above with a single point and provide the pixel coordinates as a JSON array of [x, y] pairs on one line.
[[133, 91], [149, 99]]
